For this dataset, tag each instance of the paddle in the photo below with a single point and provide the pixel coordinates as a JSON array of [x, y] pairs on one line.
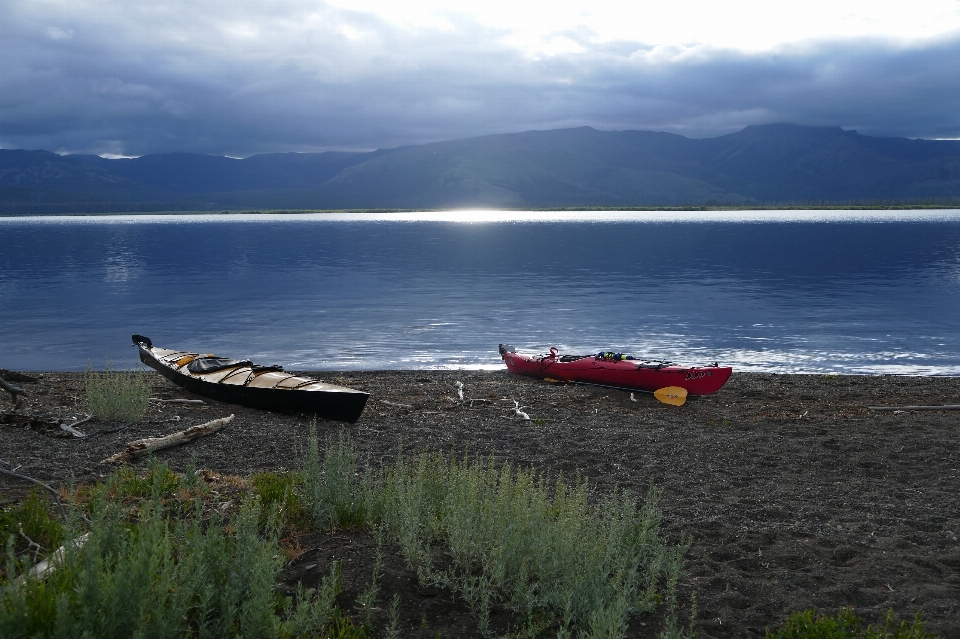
[[673, 395]]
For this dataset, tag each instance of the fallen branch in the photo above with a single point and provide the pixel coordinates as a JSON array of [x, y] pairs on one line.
[[944, 407], [143, 447], [15, 392], [178, 401], [395, 404], [56, 495], [73, 431], [30, 543], [71, 428]]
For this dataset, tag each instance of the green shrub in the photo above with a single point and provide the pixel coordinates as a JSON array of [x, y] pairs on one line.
[[30, 521], [847, 625], [159, 480], [118, 396], [279, 492], [154, 573], [543, 551], [332, 492], [344, 628], [313, 615]]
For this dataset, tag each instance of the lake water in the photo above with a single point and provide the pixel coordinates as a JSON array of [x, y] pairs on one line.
[[784, 291]]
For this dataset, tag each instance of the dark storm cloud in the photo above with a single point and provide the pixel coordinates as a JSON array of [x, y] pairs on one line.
[[132, 79]]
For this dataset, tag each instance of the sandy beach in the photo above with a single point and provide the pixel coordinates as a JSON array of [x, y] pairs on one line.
[[791, 491]]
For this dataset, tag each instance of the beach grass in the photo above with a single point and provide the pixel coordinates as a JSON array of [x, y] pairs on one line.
[[117, 396]]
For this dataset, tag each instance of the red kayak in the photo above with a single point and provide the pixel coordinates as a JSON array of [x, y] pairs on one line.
[[617, 370]]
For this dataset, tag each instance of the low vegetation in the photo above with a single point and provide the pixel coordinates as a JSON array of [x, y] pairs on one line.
[[161, 566], [507, 537], [29, 528], [118, 396], [160, 554], [847, 625]]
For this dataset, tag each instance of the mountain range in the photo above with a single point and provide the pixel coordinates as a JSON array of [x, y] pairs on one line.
[[564, 168]]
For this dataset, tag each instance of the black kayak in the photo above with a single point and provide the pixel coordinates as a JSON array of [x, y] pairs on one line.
[[243, 382]]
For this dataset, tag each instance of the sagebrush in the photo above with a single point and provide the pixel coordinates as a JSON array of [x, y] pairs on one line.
[[161, 568], [118, 396], [542, 550]]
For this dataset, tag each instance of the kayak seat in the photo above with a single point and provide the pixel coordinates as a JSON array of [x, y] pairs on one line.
[[257, 368]]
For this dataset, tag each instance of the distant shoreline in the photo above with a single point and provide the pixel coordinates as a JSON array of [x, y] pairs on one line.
[[573, 209]]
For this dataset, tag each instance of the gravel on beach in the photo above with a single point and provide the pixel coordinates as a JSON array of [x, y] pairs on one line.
[[793, 493]]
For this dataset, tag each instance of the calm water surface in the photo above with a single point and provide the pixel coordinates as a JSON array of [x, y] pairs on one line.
[[801, 291]]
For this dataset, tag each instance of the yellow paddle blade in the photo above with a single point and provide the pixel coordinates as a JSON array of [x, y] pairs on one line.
[[555, 381], [673, 395]]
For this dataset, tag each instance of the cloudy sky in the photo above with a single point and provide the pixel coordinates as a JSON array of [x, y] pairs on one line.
[[234, 77]]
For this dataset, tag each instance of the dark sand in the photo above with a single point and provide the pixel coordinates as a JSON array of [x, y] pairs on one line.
[[794, 494]]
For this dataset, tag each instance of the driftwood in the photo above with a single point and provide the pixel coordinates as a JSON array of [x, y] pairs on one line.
[[67, 428], [519, 413], [143, 447], [50, 564], [15, 392], [71, 428], [178, 401], [944, 407], [395, 404]]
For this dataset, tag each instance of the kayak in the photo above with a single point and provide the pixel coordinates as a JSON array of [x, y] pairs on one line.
[[245, 383], [617, 370]]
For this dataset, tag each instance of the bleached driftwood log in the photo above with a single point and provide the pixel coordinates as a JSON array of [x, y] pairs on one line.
[[143, 447], [51, 563]]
